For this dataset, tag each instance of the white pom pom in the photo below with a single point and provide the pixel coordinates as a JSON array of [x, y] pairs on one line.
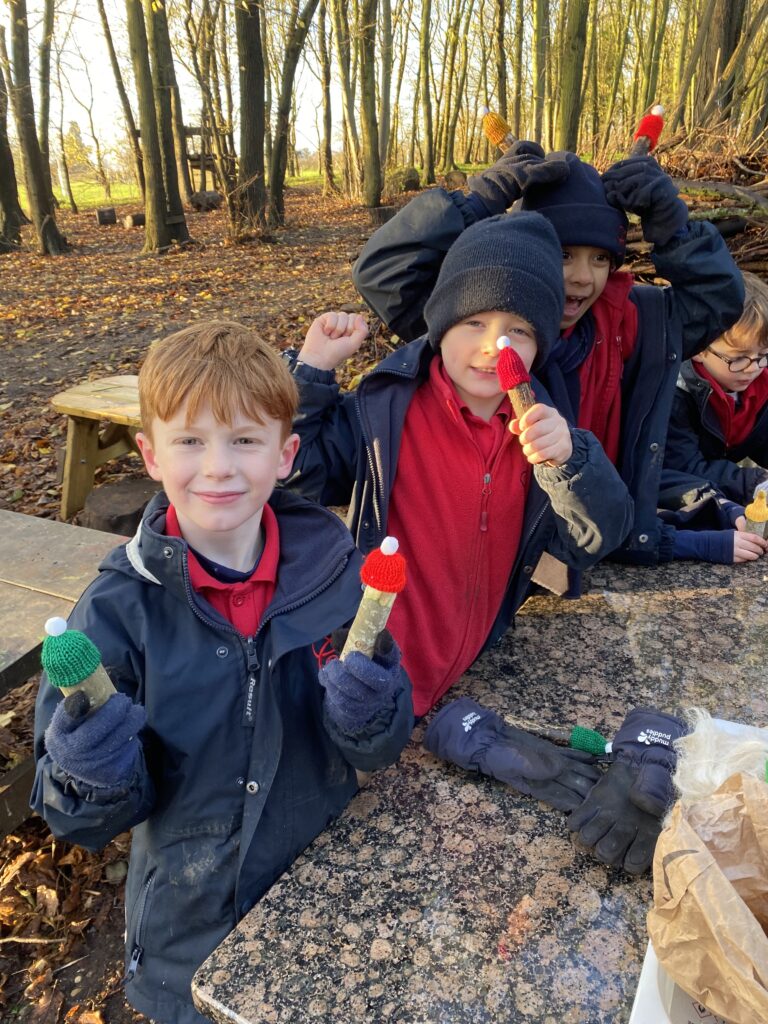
[[389, 546], [484, 111], [658, 110], [503, 342], [56, 626]]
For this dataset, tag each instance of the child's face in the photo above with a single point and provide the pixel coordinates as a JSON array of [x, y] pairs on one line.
[[470, 355], [217, 477], [585, 274], [733, 377]]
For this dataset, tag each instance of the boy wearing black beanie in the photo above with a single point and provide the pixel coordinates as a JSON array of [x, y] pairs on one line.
[[428, 449], [614, 366]]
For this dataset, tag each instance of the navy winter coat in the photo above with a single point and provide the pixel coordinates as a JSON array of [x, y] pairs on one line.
[[696, 445], [349, 448], [397, 271], [240, 771]]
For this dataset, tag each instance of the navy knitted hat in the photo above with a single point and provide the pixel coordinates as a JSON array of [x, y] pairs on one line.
[[579, 210], [512, 262]]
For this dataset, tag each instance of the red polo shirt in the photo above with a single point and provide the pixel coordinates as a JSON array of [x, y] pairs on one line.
[[242, 604]]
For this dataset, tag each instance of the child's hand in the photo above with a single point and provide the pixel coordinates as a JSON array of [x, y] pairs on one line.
[[747, 547], [544, 436], [638, 185], [358, 688], [332, 338]]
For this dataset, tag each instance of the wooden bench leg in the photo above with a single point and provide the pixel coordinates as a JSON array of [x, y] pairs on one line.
[[80, 463]]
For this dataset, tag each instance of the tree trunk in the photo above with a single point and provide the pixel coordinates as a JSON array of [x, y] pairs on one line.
[[252, 190], [343, 59], [385, 82], [368, 123], [426, 96], [50, 239], [618, 67], [517, 122], [157, 234], [300, 23], [540, 47], [44, 114], [163, 83], [501, 57], [11, 215], [326, 150], [574, 46], [130, 123]]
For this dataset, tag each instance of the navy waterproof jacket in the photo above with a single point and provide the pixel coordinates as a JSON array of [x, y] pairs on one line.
[[696, 444], [397, 270], [348, 454], [240, 770]]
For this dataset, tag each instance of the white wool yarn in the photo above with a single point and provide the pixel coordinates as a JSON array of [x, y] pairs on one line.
[[710, 754]]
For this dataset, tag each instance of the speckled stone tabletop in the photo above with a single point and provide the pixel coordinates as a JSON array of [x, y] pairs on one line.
[[441, 896]]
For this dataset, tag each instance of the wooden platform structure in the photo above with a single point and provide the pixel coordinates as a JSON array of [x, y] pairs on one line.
[[44, 568], [103, 421]]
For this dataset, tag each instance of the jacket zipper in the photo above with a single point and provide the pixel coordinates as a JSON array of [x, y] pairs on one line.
[[485, 495], [138, 950], [371, 467]]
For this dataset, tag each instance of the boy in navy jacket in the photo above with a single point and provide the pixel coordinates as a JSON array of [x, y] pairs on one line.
[[720, 417], [219, 749], [614, 366], [428, 448]]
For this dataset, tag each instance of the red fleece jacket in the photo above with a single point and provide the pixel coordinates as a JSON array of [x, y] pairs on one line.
[[457, 509]]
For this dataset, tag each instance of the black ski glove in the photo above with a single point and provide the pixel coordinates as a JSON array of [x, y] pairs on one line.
[[524, 163], [638, 185], [479, 740], [621, 817], [616, 831]]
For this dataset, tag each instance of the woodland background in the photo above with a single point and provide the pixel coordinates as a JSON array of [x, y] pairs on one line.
[[303, 125]]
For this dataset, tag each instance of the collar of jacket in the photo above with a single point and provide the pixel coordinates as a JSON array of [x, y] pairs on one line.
[[305, 568], [688, 380]]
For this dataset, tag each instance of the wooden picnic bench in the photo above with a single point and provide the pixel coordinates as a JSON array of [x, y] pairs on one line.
[[103, 421], [44, 568]]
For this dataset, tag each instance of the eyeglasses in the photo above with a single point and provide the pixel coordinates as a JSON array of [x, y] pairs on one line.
[[740, 363]]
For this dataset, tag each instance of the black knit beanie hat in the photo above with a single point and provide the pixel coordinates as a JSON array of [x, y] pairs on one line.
[[579, 210], [512, 262]]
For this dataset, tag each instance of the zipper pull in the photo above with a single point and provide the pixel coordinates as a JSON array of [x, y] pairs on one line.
[[136, 954], [253, 658]]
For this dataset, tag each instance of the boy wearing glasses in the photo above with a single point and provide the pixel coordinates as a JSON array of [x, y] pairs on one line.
[[719, 418]]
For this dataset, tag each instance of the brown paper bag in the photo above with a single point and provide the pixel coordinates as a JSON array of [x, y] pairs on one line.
[[710, 900]]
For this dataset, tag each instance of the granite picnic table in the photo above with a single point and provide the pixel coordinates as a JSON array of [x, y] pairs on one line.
[[440, 896]]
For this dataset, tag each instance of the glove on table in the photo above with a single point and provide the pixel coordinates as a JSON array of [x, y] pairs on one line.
[[617, 832], [621, 817], [357, 688], [523, 164], [645, 744], [640, 186], [479, 740], [101, 748]]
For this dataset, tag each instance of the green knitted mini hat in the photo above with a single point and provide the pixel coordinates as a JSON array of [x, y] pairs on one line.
[[68, 655]]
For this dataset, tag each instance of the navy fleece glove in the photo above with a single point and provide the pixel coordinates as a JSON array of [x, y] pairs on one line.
[[523, 164], [101, 748], [638, 185], [358, 688], [621, 817], [480, 740]]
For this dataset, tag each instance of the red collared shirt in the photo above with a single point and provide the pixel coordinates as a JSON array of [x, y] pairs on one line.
[[242, 604]]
